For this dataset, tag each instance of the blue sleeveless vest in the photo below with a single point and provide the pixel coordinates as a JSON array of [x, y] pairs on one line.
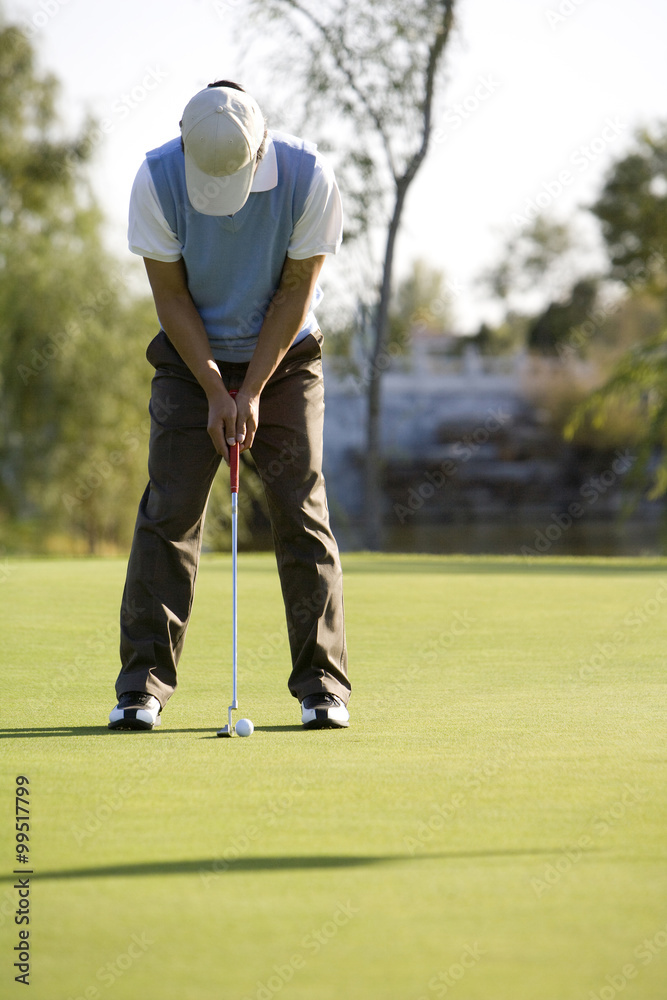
[[234, 262]]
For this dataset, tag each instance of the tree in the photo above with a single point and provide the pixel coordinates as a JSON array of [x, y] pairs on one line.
[[543, 258], [632, 210], [420, 302], [371, 71], [553, 329], [74, 382], [37, 194], [72, 406], [637, 385]]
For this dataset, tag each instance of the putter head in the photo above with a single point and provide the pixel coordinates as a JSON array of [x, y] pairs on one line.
[[228, 730]]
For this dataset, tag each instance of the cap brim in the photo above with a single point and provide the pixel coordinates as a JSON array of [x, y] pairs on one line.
[[218, 195]]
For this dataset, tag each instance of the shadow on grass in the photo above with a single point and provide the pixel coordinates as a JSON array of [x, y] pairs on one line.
[[46, 731], [219, 865], [258, 729], [284, 729], [103, 730]]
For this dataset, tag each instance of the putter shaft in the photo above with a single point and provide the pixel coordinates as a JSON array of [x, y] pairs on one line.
[[234, 455]]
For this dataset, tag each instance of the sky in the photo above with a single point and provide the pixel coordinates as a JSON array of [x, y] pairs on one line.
[[540, 97]]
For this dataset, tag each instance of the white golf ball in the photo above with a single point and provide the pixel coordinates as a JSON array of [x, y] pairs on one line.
[[244, 727]]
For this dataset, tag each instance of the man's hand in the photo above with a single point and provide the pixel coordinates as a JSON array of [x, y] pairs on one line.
[[231, 420], [222, 420], [247, 418]]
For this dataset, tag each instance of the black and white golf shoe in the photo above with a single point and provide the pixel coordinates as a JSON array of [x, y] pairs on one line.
[[324, 711], [135, 710]]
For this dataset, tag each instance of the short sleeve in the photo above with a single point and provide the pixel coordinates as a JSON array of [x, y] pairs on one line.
[[149, 234], [319, 230]]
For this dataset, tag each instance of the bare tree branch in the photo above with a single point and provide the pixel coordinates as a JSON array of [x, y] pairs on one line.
[[435, 53], [375, 62], [337, 48]]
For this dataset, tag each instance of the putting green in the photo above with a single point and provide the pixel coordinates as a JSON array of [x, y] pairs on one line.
[[491, 827]]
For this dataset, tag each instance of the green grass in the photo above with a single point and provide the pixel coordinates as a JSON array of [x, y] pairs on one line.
[[491, 827]]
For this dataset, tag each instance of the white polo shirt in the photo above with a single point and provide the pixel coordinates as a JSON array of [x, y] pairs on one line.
[[319, 230]]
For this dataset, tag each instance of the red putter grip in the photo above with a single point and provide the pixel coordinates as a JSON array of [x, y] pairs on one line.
[[234, 467], [234, 460]]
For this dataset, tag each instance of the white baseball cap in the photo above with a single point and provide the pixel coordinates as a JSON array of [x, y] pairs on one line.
[[222, 130]]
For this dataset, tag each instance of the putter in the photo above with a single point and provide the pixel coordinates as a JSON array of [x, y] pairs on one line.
[[228, 730]]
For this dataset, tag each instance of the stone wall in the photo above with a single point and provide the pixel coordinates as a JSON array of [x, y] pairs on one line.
[[465, 446]]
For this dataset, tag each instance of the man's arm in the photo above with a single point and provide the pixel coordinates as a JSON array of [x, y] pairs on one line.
[[284, 318], [185, 329], [231, 420]]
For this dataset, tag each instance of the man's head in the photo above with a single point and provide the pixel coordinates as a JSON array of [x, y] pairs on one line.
[[223, 134]]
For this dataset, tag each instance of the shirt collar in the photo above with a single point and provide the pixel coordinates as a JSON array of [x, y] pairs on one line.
[[266, 175]]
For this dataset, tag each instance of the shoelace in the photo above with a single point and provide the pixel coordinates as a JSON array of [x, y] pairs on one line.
[[329, 699], [137, 698]]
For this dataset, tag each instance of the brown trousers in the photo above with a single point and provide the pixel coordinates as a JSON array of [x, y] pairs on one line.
[[182, 463]]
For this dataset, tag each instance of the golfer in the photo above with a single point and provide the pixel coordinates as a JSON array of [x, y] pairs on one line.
[[234, 223]]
